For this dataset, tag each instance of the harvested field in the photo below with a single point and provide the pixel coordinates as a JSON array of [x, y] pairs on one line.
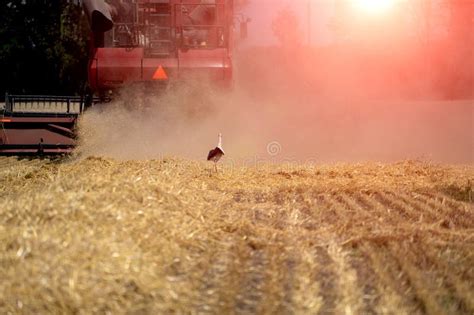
[[165, 236]]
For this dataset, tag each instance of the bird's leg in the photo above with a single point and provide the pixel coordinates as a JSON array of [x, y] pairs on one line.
[[215, 166]]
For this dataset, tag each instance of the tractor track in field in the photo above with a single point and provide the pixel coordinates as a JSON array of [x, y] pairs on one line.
[[213, 282], [398, 296], [251, 288], [462, 289], [405, 212], [296, 248], [288, 283], [367, 281], [327, 278], [432, 291], [366, 293]]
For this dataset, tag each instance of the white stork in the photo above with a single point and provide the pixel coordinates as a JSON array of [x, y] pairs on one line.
[[216, 153]]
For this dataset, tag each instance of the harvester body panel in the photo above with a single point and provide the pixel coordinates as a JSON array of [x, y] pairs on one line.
[[183, 38], [112, 68]]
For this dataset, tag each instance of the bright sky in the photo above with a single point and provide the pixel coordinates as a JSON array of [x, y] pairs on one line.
[[380, 16], [262, 13]]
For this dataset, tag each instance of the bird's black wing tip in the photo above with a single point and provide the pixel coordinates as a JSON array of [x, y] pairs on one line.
[[210, 154]]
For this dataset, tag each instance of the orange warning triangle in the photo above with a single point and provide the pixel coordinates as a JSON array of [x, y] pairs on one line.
[[160, 74]]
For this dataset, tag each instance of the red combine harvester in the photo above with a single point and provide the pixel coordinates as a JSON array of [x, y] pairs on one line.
[[151, 42]]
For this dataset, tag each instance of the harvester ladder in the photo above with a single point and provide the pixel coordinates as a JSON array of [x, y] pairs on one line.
[[157, 18]]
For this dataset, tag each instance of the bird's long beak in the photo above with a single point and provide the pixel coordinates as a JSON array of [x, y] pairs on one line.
[[219, 143]]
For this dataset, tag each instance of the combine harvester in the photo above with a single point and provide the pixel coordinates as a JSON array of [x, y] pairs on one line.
[[154, 43]]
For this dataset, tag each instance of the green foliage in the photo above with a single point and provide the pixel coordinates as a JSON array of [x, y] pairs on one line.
[[43, 47]]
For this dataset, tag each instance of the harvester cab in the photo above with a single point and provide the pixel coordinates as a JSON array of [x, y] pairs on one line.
[[160, 42], [150, 42]]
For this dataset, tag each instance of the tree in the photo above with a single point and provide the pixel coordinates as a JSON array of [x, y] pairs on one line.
[[339, 23], [460, 79], [286, 28], [42, 47], [240, 3]]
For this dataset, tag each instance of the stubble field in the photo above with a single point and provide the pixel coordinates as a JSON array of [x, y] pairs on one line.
[[164, 236]]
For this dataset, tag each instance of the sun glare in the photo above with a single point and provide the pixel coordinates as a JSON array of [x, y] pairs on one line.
[[374, 6]]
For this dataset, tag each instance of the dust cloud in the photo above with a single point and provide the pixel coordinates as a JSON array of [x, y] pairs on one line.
[[277, 112], [183, 120]]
